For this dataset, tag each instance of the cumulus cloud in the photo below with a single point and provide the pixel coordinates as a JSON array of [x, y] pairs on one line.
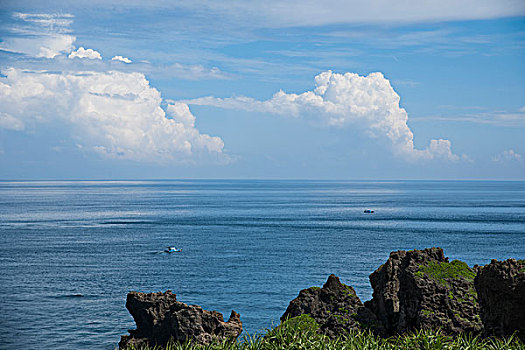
[[116, 114], [120, 58], [40, 35], [85, 53], [366, 102], [507, 156]]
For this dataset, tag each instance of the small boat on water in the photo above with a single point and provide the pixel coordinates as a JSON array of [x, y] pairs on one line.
[[172, 250], [368, 211]]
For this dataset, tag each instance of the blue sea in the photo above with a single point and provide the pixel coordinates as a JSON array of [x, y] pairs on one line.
[[71, 251]]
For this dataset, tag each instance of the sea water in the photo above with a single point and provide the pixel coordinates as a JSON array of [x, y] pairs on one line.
[[71, 251]]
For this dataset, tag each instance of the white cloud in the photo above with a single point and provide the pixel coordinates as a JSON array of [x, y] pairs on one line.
[[507, 156], [120, 58], [501, 118], [115, 114], [85, 53], [43, 35], [47, 46], [278, 13], [50, 20], [9, 122], [368, 103]]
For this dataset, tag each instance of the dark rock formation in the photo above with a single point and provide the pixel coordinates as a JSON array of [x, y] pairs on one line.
[[501, 290], [335, 307], [413, 290], [159, 317], [421, 289]]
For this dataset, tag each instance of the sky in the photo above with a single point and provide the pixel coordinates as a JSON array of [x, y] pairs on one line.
[[411, 89]]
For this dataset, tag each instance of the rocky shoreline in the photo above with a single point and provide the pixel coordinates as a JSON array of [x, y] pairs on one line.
[[412, 290]]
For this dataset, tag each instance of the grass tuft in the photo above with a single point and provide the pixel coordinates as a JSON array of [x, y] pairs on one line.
[[301, 333]]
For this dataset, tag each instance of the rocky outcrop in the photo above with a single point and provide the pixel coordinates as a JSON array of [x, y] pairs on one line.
[[421, 289], [335, 307], [160, 317], [501, 290], [413, 290]]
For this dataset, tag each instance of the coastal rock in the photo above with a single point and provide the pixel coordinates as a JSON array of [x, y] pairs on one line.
[[160, 317], [501, 290], [335, 307], [421, 289]]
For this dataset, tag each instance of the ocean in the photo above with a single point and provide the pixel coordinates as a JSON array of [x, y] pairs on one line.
[[70, 251]]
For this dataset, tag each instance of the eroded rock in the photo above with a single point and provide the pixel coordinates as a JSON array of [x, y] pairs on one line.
[[501, 290], [335, 307], [421, 289], [160, 317]]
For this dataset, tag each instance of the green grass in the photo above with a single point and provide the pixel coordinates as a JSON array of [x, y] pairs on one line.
[[301, 333]]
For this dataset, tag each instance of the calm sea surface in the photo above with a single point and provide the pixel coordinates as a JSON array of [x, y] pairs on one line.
[[71, 251]]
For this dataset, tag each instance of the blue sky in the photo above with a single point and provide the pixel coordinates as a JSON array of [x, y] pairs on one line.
[[294, 89]]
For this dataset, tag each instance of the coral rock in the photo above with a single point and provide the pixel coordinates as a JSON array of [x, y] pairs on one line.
[[421, 289], [160, 317]]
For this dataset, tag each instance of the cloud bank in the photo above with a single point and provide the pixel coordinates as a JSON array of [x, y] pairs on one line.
[[368, 103], [115, 114]]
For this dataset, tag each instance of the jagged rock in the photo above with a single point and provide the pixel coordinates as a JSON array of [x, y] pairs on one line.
[[335, 307], [421, 289], [501, 292], [159, 317]]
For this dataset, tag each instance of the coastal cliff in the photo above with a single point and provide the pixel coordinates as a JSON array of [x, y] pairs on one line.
[[413, 290]]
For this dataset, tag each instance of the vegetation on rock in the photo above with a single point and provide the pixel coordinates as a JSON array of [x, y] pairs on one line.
[[421, 289], [443, 271]]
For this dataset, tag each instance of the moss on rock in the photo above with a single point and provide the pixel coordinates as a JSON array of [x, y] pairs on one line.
[[442, 271]]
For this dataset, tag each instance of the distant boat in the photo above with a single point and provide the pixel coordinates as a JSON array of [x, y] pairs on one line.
[[172, 250], [368, 211]]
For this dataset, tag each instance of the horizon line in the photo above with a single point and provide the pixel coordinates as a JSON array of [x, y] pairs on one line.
[[254, 179]]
